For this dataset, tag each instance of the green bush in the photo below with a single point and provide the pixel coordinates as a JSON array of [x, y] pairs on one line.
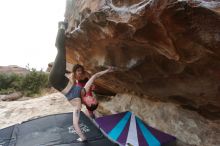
[[7, 91], [33, 82], [29, 84], [9, 83]]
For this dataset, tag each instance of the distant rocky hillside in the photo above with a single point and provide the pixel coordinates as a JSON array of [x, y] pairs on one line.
[[13, 69]]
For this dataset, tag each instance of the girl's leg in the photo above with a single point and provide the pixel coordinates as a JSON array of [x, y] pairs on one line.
[[76, 103], [57, 76]]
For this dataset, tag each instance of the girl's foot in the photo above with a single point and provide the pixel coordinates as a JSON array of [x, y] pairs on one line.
[[81, 140], [62, 25]]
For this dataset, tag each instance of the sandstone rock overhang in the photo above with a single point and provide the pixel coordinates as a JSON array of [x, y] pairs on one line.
[[167, 49]]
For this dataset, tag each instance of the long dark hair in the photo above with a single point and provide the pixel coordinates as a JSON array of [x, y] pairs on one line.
[[75, 67]]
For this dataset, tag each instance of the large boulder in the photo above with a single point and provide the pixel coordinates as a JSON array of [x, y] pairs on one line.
[[168, 50], [11, 96]]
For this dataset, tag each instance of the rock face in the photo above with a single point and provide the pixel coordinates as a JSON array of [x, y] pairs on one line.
[[165, 49]]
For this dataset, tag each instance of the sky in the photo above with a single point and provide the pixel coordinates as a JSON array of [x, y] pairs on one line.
[[28, 31]]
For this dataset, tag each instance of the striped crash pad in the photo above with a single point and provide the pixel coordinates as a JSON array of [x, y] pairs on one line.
[[129, 130]]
